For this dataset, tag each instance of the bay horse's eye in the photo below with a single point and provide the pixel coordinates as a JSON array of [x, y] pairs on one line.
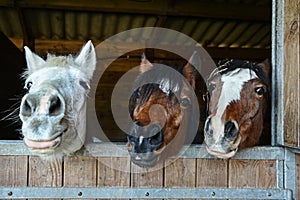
[[260, 91], [184, 102], [28, 85]]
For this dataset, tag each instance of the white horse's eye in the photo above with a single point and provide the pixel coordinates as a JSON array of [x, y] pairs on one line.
[[84, 84], [28, 85]]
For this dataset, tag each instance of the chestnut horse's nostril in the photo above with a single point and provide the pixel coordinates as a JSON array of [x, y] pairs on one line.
[[230, 130], [206, 126]]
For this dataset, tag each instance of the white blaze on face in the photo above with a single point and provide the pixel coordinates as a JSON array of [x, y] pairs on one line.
[[231, 91]]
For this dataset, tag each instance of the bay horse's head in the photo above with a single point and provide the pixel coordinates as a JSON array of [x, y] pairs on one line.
[[238, 99], [161, 107], [53, 112]]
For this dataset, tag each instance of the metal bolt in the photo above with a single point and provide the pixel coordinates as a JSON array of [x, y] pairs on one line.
[[147, 194], [213, 194], [79, 194], [10, 193]]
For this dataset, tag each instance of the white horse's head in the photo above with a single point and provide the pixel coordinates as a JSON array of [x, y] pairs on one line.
[[53, 112]]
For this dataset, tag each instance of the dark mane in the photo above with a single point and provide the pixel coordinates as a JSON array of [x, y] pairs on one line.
[[226, 65], [149, 82]]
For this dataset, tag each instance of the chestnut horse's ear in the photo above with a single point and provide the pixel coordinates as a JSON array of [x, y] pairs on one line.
[[266, 67], [145, 65], [189, 71]]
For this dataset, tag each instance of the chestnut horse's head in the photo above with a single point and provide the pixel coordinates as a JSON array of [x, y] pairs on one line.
[[238, 97], [161, 107]]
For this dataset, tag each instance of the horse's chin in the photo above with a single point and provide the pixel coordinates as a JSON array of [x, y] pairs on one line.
[[228, 155], [45, 144], [145, 162]]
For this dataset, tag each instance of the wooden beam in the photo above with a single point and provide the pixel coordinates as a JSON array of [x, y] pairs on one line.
[[28, 39], [42, 47], [189, 8]]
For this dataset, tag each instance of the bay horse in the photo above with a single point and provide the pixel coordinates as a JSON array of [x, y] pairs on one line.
[[239, 92], [164, 109], [53, 111]]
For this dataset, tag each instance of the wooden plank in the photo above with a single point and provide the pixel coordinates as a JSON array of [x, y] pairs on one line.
[[80, 171], [291, 72], [113, 172], [252, 173], [212, 173], [44, 174], [180, 172], [13, 171], [298, 176], [147, 177]]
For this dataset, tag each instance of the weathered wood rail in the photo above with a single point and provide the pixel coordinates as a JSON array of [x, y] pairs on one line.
[[103, 170]]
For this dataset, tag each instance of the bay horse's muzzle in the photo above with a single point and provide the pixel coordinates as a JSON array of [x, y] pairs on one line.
[[144, 142]]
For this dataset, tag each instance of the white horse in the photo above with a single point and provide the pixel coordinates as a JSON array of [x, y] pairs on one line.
[[53, 112]]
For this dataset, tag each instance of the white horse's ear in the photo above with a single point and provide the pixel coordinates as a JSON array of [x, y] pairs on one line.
[[34, 62], [87, 59], [145, 65]]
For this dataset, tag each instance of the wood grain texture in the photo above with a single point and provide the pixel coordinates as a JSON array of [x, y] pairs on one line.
[[291, 72], [13, 171], [147, 177], [113, 172], [43, 173], [252, 173], [80, 171], [181, 173], [212, 173], [298, 176]]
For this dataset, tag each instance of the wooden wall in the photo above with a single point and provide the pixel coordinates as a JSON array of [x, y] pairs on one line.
[[83, 171], [291, 72]]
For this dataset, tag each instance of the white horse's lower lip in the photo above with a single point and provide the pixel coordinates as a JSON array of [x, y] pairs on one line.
[[43, 144], [222, 155]]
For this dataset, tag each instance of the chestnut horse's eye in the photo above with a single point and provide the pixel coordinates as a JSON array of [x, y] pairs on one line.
[[260, 91], [184, 102], [28, 85], [211, 87]]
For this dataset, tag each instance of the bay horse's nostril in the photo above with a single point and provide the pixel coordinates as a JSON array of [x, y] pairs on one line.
[[230, 130]]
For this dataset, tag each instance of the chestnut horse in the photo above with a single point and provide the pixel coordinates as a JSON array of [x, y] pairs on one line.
[[163, 107], [238, 93]]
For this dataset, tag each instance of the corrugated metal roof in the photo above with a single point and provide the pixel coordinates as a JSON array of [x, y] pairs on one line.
[[27, 19]]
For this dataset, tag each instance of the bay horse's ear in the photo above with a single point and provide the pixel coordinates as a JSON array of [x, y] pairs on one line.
[[189, 71], [266, 67], [34, 62], [145, 65], [87, 59]]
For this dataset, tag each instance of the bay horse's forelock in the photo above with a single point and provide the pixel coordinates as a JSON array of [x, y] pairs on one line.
[[238, 100]]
